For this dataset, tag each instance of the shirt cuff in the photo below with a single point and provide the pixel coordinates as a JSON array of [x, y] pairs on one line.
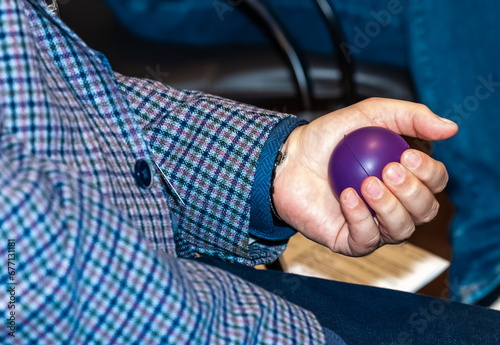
[[263, 224]]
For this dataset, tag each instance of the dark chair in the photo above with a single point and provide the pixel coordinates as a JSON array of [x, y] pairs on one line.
[[279, 76]]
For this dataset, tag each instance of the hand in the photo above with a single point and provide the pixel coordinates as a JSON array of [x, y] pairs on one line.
[[405, 198]]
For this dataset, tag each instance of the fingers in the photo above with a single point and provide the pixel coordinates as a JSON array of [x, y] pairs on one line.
[[413, 195], [431, 172], [361, 233], [403, 200], [396, 223], [364, 233]]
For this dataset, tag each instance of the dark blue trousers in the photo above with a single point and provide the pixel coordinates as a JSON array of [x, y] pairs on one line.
[[368, 315]]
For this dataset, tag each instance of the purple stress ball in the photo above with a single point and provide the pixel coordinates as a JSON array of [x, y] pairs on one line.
[[362, 153]]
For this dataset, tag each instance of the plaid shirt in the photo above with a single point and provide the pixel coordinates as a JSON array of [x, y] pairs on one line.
[[93, 258]]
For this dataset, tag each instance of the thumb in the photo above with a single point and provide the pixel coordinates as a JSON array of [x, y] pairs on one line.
[[408, 118]]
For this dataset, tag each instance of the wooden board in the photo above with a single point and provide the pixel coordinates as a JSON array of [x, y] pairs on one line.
[[404, 267]]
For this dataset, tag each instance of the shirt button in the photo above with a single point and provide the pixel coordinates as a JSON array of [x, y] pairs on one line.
[[142, 174]]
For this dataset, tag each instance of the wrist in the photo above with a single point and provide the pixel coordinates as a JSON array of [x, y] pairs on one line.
[[280, 158], [283, 166], [262, 223]]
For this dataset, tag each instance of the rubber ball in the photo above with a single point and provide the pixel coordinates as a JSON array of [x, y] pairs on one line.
[[363, 153]]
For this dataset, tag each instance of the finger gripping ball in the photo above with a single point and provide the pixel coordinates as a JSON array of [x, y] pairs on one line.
[[362, 153]]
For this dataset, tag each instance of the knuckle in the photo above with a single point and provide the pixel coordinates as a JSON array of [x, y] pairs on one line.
[[437, 178], [364, 246], [424, 108], [432, 213], [372, 99], [403, 233], [408, 231], [366, 250], [414, 192], [432, 175], [390, 208]]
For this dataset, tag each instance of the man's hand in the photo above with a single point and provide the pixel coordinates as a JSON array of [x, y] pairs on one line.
[[405, 198]]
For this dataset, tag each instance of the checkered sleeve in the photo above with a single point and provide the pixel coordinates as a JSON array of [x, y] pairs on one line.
[[209, 149]]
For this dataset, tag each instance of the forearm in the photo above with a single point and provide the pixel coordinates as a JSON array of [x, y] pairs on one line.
[[212, 150]]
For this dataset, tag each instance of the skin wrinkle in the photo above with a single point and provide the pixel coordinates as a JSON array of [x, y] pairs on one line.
[[432, 213], [353, 243], [375, 240], [414, 193], [398, 237], [440, 185], [301, 148]]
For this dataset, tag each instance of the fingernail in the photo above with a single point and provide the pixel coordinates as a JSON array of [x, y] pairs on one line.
[[374, 189], [412, 160], [447, 121], [395, 174], [351, 199]]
